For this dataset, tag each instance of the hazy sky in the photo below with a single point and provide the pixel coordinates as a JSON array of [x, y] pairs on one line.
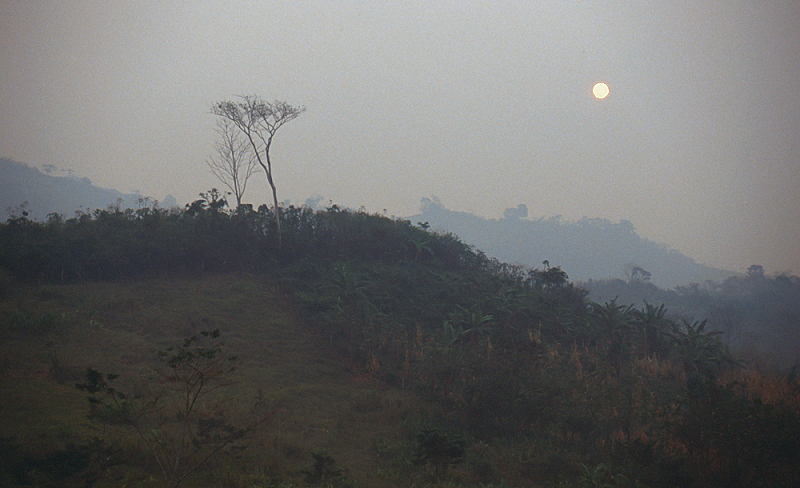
[[485, 105]]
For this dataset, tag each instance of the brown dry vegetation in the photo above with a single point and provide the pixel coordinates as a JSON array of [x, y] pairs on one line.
[[320, 402]]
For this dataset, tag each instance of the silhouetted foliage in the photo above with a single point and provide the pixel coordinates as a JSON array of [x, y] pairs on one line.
[[757, 314], [258, 121]]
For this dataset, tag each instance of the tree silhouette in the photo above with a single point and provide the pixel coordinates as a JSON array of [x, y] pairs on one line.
[[259, 121], [235, 162]]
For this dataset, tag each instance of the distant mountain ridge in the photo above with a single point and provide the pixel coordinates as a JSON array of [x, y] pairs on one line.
[[23, 187], [586, 249]]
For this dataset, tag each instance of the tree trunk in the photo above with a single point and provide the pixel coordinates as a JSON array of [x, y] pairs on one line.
[[277, 212], [268, 170]]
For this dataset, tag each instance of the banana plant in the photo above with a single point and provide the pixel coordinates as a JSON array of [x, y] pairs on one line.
[[347, 289], [653, 324], [509, 302], [617, 321], [464, 322], [700, 351]]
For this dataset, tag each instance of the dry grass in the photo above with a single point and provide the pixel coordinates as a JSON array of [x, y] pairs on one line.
[[319, 403], [316, 400]]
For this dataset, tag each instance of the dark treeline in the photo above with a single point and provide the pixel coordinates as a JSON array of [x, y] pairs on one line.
[[120, 243], [758, 315], [507, 352]]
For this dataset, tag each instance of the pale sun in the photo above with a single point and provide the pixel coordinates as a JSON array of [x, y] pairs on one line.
[[600, 90]]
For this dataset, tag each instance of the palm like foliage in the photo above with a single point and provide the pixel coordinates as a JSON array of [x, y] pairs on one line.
[[617, 322], [700, 352], [464, 323], [653, 323]]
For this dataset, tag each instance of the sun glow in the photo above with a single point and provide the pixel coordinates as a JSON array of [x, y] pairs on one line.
[[600, 90]]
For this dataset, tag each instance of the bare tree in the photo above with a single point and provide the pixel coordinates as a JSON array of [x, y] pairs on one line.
[[259, 120], [235, 162]]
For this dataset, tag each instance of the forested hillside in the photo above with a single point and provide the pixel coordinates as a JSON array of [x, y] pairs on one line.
[[471, 372]]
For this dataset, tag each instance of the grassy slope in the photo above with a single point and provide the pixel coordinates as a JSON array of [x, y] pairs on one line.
[[321, 403], [51, 333]]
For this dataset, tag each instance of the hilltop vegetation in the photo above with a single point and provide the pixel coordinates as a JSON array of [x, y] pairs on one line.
[[381, 353]]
